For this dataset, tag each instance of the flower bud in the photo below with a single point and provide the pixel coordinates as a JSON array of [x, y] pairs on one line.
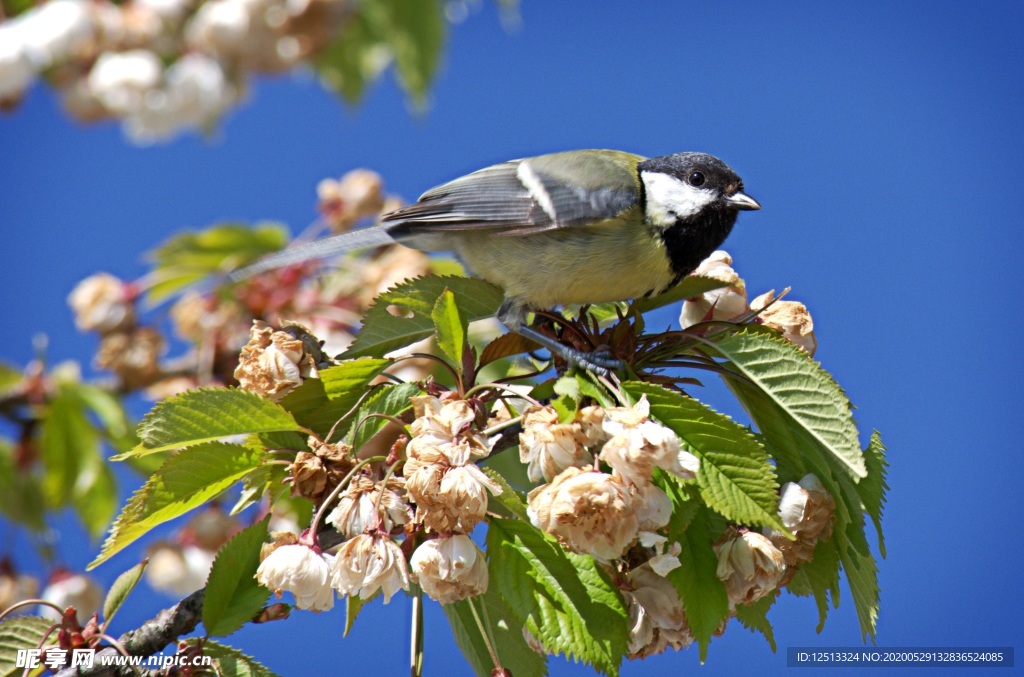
[[450, 568], [808, 511], [302, 571], [657, 619], [368, 563], [102, 303], [588, 511], [274, 362], [749, 565], [178, 570], [72, 590], [549, 447], [356, 196], [723, 303], [638, 444], [789, 318], [357, 513]]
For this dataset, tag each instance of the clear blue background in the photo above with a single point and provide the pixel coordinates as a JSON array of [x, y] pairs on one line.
[[883, 139]]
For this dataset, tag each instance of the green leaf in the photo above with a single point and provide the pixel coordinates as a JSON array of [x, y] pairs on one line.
[[95, 495], [318, 403], [689, 287], [19, 632], [450, 328], [233, 596], [186, 481], [509, 498], [389, 401], [384, 332], [121, 588], [21, 494], [505, 630], [735, 478], [754, 617], [189, 257], [110, 411], [685, 503], [353, 58], [797, 452], [797, 385], [820, 578], [696, 580], [414, 30], [872, 488], [231, 662], [209, 414], [353, 605], [565, 600], [68, 442], [9, 377]]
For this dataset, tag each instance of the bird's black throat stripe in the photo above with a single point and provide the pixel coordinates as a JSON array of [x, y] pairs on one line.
[[690, 241]]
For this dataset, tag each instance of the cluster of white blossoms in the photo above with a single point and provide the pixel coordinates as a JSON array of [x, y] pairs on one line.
[[605, 514], [449, 493], [275, 361], [161, 66], [590, 511], [753, 565], [789, 318]]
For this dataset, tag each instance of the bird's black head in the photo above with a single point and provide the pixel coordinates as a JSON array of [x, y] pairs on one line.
[[693, 200]]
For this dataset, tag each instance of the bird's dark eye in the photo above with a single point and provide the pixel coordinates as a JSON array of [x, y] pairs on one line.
[[696, 179]]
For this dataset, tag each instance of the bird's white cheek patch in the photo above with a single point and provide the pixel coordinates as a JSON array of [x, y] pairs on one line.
[[669, 199]]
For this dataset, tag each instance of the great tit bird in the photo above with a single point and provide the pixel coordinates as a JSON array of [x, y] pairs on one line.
[[577, 227]]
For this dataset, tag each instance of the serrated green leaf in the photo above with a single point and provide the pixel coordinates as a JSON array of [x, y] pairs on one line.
[[450, 328], [509, 498], [754, 617], [565, 600], [392, 400], [689, 287], [820, 578], [121, 588], [735, 478], [872, 489], [798, 386], [233, 596], [505, 629], [862, 576], [19, 632], [318, 403], [233, 663], [696, 580], [383, 332], [208, 414], [189, 257], [186, 481], [797, 453], [353, 605]]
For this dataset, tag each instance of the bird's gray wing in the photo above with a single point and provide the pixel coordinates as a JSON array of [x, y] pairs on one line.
[[561, 190]]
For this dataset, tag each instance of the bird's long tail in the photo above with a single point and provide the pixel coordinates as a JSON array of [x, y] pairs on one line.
[[364, 238]]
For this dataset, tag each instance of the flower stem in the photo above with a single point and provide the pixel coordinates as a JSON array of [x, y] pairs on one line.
[[484, 633], [416, 641]]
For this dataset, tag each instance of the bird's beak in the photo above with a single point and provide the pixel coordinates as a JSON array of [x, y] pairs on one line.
[[740, 200]]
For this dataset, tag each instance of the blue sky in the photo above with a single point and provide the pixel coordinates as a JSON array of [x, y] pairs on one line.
[[883, 139]]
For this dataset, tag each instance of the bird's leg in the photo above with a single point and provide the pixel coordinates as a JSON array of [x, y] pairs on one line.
[[513, 316]]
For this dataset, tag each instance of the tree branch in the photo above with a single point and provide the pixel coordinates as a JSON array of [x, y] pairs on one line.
[[148, 639]]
